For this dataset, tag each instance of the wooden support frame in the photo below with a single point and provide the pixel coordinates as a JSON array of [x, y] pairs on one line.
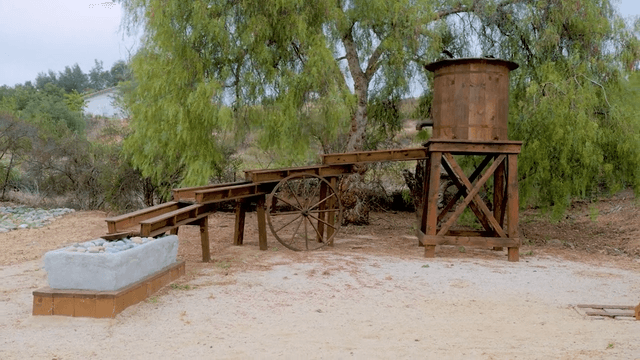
[[189, 193], [275, 175], [241, 211], [435, 229], [376, 155], [120, 223]]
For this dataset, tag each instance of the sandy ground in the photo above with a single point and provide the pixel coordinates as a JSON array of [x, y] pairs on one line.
[[371, 296]]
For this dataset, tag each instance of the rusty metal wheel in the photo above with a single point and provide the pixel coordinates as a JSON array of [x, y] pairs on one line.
[[304, 212]]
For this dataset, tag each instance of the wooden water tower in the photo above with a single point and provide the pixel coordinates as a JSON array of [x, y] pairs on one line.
[[470, 114]]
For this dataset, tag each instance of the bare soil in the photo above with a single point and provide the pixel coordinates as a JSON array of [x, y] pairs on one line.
[[373, 295]]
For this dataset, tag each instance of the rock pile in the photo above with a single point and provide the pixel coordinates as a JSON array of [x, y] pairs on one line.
[[21, 217], [102, 246]]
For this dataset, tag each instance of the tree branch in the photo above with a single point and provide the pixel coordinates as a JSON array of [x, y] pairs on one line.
[[466, 9]]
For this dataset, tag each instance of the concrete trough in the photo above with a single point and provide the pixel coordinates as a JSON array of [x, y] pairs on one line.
[[107, 271]]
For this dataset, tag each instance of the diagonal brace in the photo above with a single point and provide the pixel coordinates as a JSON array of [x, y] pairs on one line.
[[471, 194], [477, 205]]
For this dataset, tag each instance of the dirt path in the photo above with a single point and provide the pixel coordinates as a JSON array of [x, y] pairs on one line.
[[372, 296]]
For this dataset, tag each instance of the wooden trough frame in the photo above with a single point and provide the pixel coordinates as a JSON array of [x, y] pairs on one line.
[[191, 206]]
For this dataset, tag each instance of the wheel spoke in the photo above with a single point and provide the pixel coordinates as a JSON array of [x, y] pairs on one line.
[[295, 232], [323, 200], [289, 223], [281, 213], [294, 195], [324, 222], [287, 202], [306, 238], [320, 211], [316, 229]]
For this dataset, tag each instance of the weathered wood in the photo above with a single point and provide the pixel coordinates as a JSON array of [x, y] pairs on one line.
[[275, 175], [463, 184], [431, 203], [189, 193], [462, 147], [119, 235], [610, 313], [462, 192], [231, 193], [168, 221], [422, 216], [512, 205], [499, 196], [433, 240], [594, 306], [376, 155], [470, 233], [637, 312], [241, 210], [262, 223], [120, 223], [471, 193], [204, 239]]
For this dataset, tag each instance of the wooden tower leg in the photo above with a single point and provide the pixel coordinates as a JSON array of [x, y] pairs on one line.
[[498, 197], [430, 211], [512, 205], [262, 223], [241, 211], [204, 238]]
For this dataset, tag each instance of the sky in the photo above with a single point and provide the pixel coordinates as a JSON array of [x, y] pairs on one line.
[[41, 35]]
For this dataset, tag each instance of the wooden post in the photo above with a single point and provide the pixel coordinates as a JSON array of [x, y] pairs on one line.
[[512, 205], [430, 212], [241, 210], [204, 239], [321, 214], [174, 231], [422, 213], [331, 215], [498, 197], [262, 223]]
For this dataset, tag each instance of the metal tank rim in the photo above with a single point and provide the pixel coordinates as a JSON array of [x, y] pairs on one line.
[[446, 62]]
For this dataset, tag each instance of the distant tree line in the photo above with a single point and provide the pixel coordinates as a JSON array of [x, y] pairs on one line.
[[73, 79]]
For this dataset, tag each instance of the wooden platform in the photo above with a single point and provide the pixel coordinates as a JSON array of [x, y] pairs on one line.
[[102, 304], [620, 312]]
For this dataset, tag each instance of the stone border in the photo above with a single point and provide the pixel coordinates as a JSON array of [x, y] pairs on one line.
[[102, 304]]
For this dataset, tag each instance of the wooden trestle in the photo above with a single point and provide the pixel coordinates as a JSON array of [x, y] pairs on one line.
[[191, 206]]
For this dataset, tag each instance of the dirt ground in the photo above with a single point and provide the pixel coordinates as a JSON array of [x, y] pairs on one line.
[[373, 295]]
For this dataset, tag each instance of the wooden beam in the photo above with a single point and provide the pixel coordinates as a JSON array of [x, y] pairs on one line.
[[189, 193], [120, 223], [513, 205], [433, 240], [262, 223], [241, 211], [376, 155], [168, 221], [204, 239], [431, 202], [459, 147], [275, 175], [231, 193]]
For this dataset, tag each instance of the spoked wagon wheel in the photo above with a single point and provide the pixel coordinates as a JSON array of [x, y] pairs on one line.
[[304, 212]]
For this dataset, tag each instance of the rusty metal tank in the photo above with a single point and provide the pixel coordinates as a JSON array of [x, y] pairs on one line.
[[471, 98]]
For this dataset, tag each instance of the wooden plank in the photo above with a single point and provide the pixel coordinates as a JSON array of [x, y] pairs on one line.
[[459, 147], [120, 235], [119, 223], [473, 192], [241, 211], [171, 220], [499, 196], [275, 175], [470, 233], [204, 239], [321, 215], [513, 205], [468, 241], [610, 313], [230, 193], [593, 306], [262, 223], [189, 193], [376, 155]]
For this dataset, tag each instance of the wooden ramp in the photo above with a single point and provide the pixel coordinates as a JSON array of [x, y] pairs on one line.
[[619, 312]]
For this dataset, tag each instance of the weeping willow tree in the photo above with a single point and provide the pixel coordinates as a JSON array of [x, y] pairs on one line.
[[302, 72]]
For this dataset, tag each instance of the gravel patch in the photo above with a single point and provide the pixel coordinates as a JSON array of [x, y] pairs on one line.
[[22, 217]]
